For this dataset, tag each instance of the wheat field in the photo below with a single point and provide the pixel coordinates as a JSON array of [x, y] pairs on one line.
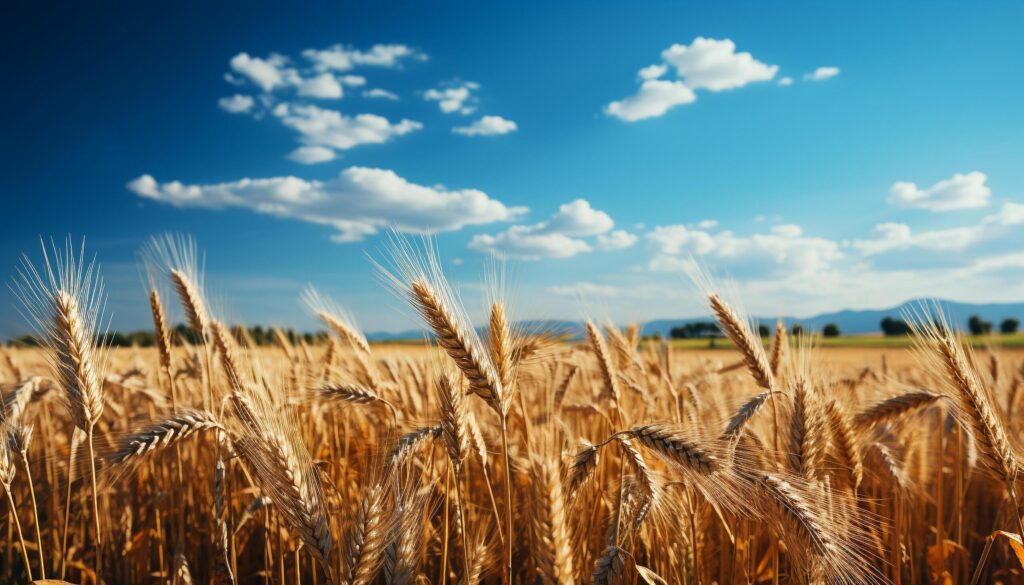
[[494, 454]]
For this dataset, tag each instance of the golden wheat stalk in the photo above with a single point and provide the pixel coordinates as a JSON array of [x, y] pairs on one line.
[[162, 434], [604, 362], [893, 408]]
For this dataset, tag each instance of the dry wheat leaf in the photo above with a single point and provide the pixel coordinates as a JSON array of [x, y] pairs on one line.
[[1015, 544], [650, 577]]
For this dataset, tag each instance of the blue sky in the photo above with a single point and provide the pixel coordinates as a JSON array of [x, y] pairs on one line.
[[822, 155]]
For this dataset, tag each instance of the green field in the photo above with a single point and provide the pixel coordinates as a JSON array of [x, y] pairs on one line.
[[980, 341]]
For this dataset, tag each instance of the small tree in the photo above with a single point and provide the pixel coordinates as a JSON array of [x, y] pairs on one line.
[[892, 327], [1009, 326], [796, 330], [830, 330], [763, 330], [978, 326]]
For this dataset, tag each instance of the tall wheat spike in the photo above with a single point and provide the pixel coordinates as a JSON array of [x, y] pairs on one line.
[[65, 304]]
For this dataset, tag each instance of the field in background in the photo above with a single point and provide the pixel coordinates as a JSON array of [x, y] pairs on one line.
[[1015, 340]]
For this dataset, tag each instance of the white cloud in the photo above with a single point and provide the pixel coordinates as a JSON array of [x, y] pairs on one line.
[[332, 129], [786, 81], [309, 155], [487, 126], [705, 64], [961, 191], [357, 203], [652, 72], [578, 218], [557, 237], [276, 73], [1009, 214], [236, 104], [266, 73], [353, 80], [378, 93], [317, 80], [525, 243], [320, 130], [455, 97], [586, 289], [616, 240], [321, 86], [342, 58], [890, 236], [655, 97], [715, 65], [821, 74], [784, 248], [707, 224]]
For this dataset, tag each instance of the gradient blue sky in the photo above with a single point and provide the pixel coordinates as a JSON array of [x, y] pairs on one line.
[[893, 172]]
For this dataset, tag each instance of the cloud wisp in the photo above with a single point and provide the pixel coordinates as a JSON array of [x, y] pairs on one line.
[[359, 202]]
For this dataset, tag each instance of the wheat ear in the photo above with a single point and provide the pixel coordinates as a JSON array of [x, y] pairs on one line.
[[778, 348], [452, 336], [893, 408], [500, 336], [604, 362], [845, 441], [367, 538], [552, 546], [192, 302], [738, 331], [162, 434], [807, 431]]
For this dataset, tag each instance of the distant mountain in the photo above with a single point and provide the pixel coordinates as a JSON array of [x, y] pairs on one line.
[[849, 322], [573, 329], [867, 321]]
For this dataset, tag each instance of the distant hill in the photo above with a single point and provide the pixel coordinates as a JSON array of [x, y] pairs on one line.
[[867, 321], [849, 322]]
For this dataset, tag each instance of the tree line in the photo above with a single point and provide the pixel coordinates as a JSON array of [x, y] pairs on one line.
[[258, 334], [891, 327]]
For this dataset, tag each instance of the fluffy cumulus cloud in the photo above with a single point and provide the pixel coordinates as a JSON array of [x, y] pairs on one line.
[[236, 104], [616, 240], [357, 203], [324, 85], [266, 73], [288, 87], [310, 155], [895, 237], [330, 129], [961, 191], [454, 97], [560, 236], [342, 58], [715, 65], [277, 72], [892, 236], [821, 74], [652, 72], [487, 126], [526, 243], [784, 248], [655, 97], [705, 64], [578, 219], [380, 94]]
